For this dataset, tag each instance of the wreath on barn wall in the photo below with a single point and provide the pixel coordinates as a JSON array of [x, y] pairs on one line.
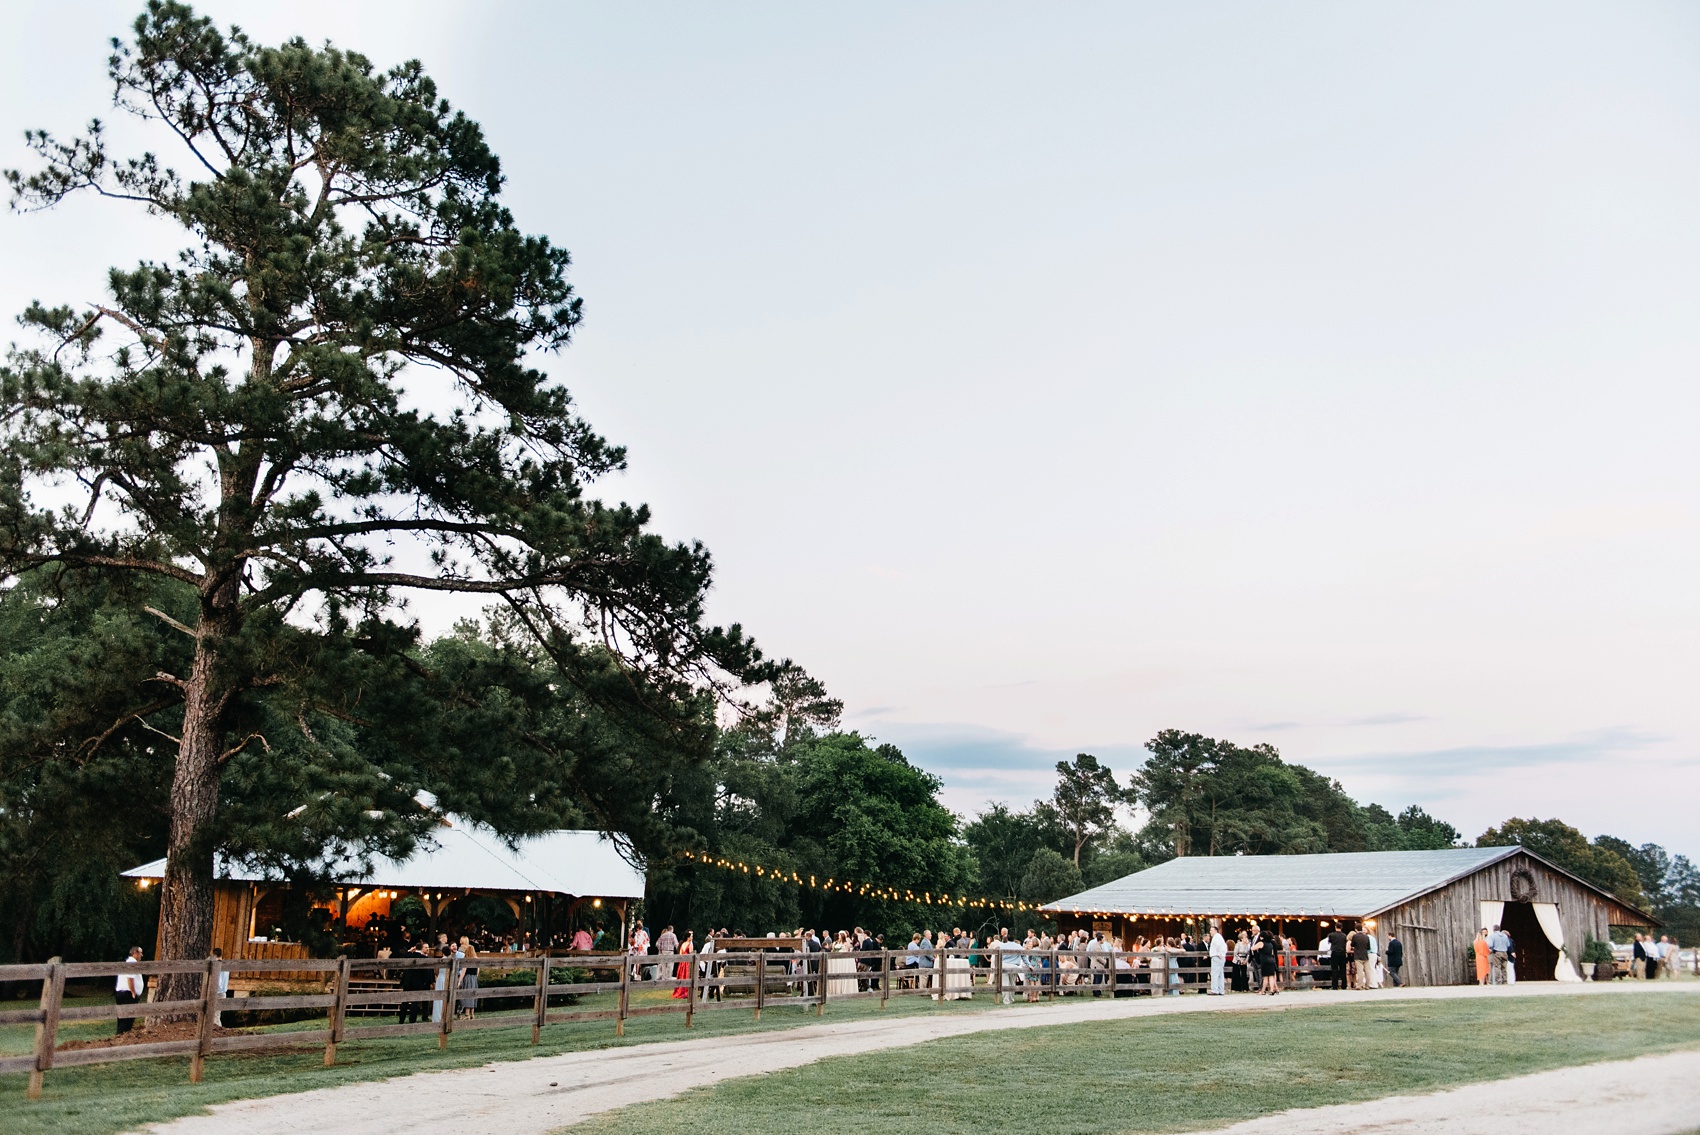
[[1522, 885]]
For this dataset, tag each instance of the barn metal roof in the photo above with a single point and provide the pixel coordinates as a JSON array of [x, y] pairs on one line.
[[1348, 884], [461, 854]]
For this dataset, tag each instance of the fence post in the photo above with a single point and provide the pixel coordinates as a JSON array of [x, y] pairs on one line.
[[203, 1042], [450, 980], [761, 978], [339, 1009], [47, 1029], [691, 1005], [820, 1004], [540, 1010], [625, 993], [997, 972]]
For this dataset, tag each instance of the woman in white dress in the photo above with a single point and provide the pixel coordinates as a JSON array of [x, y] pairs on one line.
[[841, 968], [958, 978]]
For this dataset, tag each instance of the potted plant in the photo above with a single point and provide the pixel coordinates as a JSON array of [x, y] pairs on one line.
[[1596, 959]]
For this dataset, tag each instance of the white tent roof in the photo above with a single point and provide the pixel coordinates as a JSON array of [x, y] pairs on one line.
[[462, 854]]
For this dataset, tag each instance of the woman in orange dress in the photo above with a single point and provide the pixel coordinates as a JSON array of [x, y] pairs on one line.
[[682, 971], [1481, 957]]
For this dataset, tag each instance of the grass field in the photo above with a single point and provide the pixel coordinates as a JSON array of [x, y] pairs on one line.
[[1174, 1073], [109, 1098], [1149, 1074]]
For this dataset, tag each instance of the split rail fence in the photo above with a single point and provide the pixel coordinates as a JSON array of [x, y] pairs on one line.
[[752, 980]]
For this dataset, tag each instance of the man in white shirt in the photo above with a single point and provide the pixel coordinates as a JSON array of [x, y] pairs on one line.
[[1097, 945], [668, 943], [131, 985], [1218, 958]]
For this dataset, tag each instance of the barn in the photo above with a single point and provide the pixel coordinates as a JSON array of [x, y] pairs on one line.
[[1434, 901], [545, 880]]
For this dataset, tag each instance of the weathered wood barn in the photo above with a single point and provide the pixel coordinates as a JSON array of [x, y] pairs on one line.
[[555, 873], [1433, 900]]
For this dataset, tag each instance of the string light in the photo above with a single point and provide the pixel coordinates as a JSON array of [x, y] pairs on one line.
[[861, 890]]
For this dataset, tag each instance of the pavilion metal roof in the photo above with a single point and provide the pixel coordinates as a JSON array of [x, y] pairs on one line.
[[464, 855], [1347, 884]]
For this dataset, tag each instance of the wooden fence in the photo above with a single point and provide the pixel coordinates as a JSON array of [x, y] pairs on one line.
[[752, 980]]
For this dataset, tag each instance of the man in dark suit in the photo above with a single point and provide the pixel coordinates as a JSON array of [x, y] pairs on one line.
[[416, 979], [1395, 957], [1337, 959]]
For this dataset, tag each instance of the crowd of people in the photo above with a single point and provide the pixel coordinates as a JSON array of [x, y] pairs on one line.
[[1650, 959], [1260, 960]]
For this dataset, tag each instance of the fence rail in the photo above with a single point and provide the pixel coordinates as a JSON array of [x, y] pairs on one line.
[[752, 980]]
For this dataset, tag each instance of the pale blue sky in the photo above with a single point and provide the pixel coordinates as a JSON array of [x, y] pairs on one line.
[[1042, 377]]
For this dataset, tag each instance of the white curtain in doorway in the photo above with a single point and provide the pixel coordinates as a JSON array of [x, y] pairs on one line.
[[1492, 912], [1547, 914]]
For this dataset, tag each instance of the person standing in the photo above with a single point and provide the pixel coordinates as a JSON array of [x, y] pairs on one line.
[[223, 986], [682, 971], [639, 948], [415, 979], [130, 988], [1218, 958], [1269, 963], [1360, 959], [667, 943], [1395, 958], [1499, 951], [1335, 940], [467, 1007], [1484, 956]]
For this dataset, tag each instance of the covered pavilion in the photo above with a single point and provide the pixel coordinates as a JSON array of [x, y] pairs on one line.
[[545, 880]]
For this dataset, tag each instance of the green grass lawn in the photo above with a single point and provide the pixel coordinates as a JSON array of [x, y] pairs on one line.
[[1152, 1074], [1174, 1073], [101, 1099]]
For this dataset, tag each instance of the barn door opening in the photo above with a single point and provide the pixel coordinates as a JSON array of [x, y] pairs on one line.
[[1536, 958]]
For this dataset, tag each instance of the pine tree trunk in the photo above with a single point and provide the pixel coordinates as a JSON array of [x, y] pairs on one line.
[[186, 899]]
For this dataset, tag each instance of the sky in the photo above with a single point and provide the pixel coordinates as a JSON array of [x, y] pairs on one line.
[[1045, 376]]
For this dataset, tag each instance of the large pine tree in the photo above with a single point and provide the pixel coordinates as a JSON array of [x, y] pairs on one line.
[[338, 363]]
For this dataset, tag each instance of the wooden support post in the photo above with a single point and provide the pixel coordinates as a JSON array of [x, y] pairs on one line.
[[938, 970], [820, 1001], [540, 1007], [339, 1009], [450, 979], [691, 1005], [761, 979], [997, 973], [625, 995], [209, 1007], [47, 1029], [885, 976]]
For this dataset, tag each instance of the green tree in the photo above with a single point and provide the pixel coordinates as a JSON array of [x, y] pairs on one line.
[[1085, 800], [258, 432], [826, 805], [1420, 831], [1003, 841], [1203, 796], [1050, 876], [1564, 846], [76, 807], [1210, 797]]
